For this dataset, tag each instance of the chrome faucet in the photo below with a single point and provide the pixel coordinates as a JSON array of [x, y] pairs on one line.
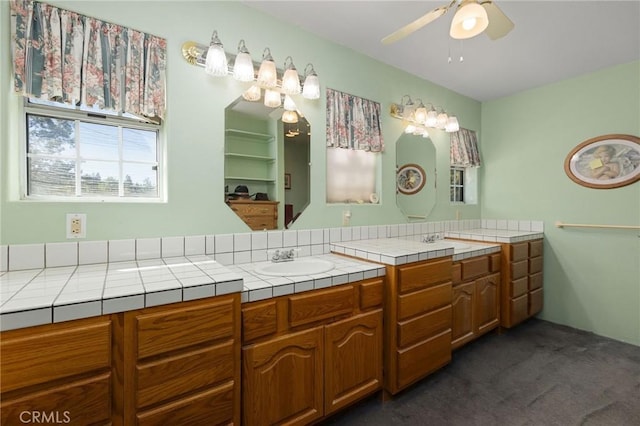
[[431, 238], [283, 256]]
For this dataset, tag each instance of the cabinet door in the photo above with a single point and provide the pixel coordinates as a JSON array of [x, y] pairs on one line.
[[282, 379], [462, 308], [353, 359], [487, 303]]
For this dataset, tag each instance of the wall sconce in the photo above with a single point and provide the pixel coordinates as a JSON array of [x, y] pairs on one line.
[[419, 118], [214, 59]]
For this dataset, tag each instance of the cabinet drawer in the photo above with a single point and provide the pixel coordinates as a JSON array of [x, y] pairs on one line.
[[419, 360], [419, 328], [253, 209], [54, 351], [308, 308], [494, 262], [519, 287], [535, 264], [535, 301], [474, 267], [424, 300], [212, 407], [371, 294], [519, 269], [415, 277], [535, 281], [519, 309], [258, 223], [535, 248], [81, 402], [163, 329], [519, 251], [259, 320], [178, 375]]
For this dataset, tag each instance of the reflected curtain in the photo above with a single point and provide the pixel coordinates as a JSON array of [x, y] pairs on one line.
[[353, 122], [62, 56], [464, 148]]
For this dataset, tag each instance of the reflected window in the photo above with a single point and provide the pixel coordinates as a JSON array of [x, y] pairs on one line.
[[351, 176], [75, 154], [463, 185]]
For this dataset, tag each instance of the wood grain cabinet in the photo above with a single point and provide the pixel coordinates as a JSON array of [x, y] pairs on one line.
[[181, 363], [58, 373], [522, 287], [417, 321], [258, 215], [476, 298], [308, 355]]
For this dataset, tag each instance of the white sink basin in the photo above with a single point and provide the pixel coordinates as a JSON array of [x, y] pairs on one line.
[[296, 267]]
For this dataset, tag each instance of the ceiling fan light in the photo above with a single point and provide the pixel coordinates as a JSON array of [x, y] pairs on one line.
[[470, 20]]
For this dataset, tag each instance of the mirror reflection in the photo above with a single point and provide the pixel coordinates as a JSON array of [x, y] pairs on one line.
[[415, 176], [266, 165]]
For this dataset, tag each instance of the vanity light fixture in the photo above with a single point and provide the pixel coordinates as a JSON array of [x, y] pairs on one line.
[[272, 98], [216, 62], [290, 79], [289, 105], [290, 117], [267, 75], [252, 94], [311, 86], [243, 65], [418, 119]]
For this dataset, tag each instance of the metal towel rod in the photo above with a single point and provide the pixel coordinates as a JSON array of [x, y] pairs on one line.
[[579, 225]]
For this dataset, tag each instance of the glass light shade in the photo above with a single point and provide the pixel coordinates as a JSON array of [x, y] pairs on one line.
[[290, 80], [410, 129], [252, 94], [421, 114], [272, 98], [470, 20], [243, 67], [289, 105], [432, 118], [452, 124], [425, 134], [216, 63], [311, 87], [443, 119], [289, 117]]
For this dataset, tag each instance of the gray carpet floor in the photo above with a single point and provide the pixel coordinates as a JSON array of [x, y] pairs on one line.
[[538, 373]]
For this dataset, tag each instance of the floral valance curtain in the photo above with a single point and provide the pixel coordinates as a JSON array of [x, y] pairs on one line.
[[62, 56], [353, 122], [464, 148]]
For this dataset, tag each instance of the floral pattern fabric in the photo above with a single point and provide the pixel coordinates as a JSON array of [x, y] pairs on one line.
[[464, 148], [353, 122], [62, 56]]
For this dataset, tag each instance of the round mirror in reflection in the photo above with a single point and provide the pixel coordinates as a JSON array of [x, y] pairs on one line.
[[415, 176], [266, 172]]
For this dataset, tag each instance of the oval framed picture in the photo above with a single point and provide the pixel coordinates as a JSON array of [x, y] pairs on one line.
[[604, 162], [410, 179]]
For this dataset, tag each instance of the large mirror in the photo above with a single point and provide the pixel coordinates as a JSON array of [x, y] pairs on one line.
[[415, 176], [266, 166]]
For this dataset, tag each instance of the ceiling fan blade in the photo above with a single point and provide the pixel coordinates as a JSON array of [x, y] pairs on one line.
[[499, 23], [416, 25]]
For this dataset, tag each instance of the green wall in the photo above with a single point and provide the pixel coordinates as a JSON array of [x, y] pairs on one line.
[[591, 276], [195, 126]]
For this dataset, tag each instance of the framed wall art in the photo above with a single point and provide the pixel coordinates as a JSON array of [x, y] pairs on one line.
[[287, 181], [410, 179], [604, 162]]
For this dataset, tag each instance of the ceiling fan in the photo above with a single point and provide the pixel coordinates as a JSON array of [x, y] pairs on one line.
[[471, 18]]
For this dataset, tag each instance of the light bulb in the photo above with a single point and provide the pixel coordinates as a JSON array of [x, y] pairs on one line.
[[216, 62], [243, 65], [469, 23]]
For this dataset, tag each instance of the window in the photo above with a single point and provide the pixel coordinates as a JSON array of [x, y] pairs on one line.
[[87, 153], [463, 185], [352, 176]]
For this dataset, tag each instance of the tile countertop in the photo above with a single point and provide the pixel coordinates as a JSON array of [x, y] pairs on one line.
[[495, 235], [398, 251], [42, 296]]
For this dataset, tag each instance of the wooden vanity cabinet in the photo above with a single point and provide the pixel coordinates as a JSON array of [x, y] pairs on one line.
[[310, 354], [259, 215], [58, 373], [476, 298], [522, 287], [181, 363], [417, 321]]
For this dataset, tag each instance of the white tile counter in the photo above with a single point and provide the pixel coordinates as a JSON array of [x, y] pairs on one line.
[[495, 235], [42, 296]]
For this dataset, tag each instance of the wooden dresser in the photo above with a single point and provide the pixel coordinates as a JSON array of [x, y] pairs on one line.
[[258, 215]]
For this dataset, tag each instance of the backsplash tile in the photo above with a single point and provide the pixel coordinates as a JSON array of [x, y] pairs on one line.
[[194, 245], [90, 252], [172, 246], [26, 256], [224, 243], [147, 248], [61, 254], [4, 258]]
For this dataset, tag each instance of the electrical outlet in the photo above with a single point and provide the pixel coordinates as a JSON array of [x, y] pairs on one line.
[[76, 225], [346, 217]]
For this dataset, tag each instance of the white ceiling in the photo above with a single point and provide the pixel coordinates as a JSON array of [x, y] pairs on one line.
[[551, 41]]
